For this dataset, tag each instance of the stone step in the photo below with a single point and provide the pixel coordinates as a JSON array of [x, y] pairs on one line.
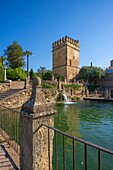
[[4, 159], [8, 157], [5, 163], [8, 93]]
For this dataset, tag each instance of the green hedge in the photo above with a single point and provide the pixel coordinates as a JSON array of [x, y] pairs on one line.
[[92, 88], [75, 86], [15, 74], [45, 85]]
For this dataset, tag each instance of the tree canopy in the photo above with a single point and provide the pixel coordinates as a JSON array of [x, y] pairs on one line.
[[90, 73], [47, 75], [27, 52], [14, 53], [44, 73]]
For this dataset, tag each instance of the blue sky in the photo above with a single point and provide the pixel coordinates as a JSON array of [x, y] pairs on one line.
[[36, 24]]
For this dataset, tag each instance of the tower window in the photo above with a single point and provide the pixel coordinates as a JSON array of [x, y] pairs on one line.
[[70, 62]]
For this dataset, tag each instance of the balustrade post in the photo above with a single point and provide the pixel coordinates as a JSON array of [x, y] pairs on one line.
[[5, 73], [35, 153]]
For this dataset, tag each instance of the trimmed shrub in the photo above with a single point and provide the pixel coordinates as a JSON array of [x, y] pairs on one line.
[[15, 74], [45, 85], [74, 86]]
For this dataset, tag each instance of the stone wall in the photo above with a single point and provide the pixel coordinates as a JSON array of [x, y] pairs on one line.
[[61, 71], [4, 87], [107, 81], [105, 84], [73, 92], [16, 100], [17, 85], [50, 95], [11, 85]]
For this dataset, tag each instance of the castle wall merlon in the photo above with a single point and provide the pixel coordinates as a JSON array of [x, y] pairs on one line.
[[73, 46], [63, 41]]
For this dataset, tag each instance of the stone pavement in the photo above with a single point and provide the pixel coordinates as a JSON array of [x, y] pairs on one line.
[[9, 159]]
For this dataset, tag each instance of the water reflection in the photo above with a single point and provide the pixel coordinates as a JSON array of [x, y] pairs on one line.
[[91, 121]]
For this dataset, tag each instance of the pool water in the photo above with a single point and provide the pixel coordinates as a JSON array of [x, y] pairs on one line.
[[92, 121]]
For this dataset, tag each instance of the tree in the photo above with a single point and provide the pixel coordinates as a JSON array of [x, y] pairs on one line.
[[59, 77], [32, 74], [41, 71], [14, 53], [27, 53], [47, 75], [90, 73]]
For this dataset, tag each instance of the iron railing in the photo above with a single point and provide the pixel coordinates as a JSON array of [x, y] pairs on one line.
[[67, 150], [98, 164], [10, 127]]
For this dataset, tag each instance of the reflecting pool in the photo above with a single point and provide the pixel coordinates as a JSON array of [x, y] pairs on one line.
[[92, 121]]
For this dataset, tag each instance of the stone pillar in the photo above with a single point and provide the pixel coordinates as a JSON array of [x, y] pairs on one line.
[[26, 83], [87, 93], [83, 92], [71, 91], [96, 93], [53, 77], [109, 93], [102, 93], [34, 149], [106, 94], [59, 85], [5, 73]]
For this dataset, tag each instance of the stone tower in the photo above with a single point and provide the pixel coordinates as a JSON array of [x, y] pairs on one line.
[[66, 58]]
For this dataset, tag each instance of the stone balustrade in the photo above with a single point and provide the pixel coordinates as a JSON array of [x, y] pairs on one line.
[[35, 153]]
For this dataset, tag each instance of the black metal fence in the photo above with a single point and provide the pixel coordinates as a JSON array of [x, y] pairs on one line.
[[10, 127], [71, 153]]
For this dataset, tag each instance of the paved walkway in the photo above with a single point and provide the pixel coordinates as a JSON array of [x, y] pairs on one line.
[[8, 162]]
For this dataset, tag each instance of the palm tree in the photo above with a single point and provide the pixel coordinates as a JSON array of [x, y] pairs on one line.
[[41, 71], [27, 53]]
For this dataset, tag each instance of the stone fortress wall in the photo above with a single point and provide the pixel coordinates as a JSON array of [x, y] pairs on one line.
[[66, 57], [107, 81]]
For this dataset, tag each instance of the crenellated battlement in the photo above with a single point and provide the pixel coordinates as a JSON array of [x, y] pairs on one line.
[[64, 40]]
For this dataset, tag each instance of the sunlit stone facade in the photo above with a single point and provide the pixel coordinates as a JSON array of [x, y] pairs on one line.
[[66, 58]]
